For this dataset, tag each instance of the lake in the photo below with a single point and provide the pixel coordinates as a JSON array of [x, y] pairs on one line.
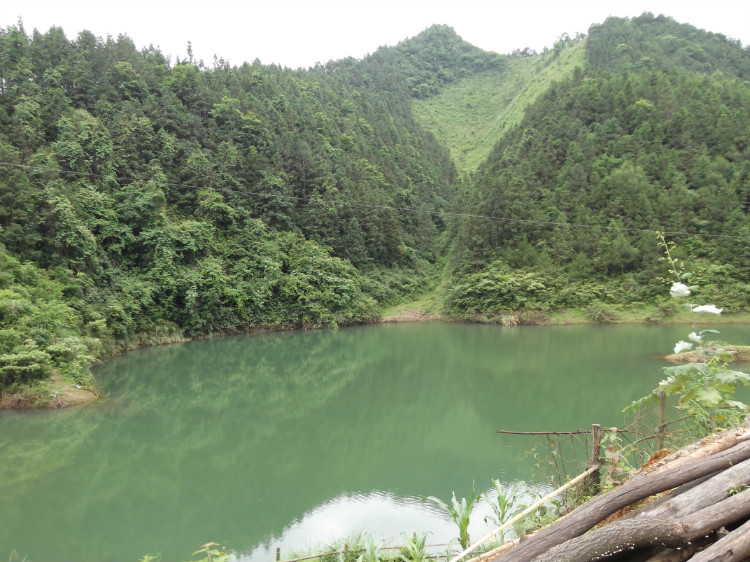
[[296, 439]]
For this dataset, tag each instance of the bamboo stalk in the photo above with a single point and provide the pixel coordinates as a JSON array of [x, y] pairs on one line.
[[526, 511], [495, 551]]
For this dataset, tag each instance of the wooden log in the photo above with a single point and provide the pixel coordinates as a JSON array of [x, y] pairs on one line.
[[591, 513], [495, 551], [732, 548], [681, 554], [623, 535], [702, 448], [593, 482], [710, 491]]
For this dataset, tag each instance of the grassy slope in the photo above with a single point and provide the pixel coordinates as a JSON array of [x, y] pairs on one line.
[[471, 115]]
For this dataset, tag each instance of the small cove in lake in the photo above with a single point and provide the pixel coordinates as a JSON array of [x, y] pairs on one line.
[[294, 439]]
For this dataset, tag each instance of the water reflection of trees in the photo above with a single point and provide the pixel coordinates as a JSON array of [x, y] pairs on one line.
[[288, 374]]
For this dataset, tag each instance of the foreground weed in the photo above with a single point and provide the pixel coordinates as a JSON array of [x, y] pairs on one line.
[[450, 550], [212, 554], [345, 550], [460, 512], [541, 517], [503, 504], [706, 387], [414, 549], [372, 550], [617, 468]]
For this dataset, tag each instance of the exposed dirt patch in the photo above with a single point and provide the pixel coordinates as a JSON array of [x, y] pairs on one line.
[[655, 458], [64, 393], [57, 393], [411, 315], [742, 353], [22, 401], [634, 507]]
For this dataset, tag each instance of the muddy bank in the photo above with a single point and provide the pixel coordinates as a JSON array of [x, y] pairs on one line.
[[741, 353], [55, 393], [411, 315]]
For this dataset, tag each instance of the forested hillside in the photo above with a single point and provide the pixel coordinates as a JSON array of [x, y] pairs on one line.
[[651, 134], [144, 200]]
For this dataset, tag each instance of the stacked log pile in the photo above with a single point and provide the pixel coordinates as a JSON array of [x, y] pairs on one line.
[[702, 512]]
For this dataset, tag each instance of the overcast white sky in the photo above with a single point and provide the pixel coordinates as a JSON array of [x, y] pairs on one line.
[[299, 33]]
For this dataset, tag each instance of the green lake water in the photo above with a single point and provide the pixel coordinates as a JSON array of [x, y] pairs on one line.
[[295, 439]]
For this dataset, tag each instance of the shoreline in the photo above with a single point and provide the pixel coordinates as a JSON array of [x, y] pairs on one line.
[[52, 394], [55, 392], [412, 315]]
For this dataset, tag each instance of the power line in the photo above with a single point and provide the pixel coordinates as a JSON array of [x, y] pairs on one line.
[[381, 207]]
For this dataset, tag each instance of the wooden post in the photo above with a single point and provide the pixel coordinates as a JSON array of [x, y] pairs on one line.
[[662, 414], [278, 553], [593, 479]]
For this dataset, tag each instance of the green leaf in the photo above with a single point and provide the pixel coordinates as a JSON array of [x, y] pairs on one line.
[[674, 383], [725, 355], [708, 396], [736, 404], [685, 370], [732, 377]]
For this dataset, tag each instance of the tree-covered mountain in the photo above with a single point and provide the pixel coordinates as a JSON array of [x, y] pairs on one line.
[[651, 134], [140, 198], [143, 200], [661, 43]]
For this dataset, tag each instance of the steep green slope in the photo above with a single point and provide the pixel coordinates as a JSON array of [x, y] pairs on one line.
[[600, 161], [471, 114]]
